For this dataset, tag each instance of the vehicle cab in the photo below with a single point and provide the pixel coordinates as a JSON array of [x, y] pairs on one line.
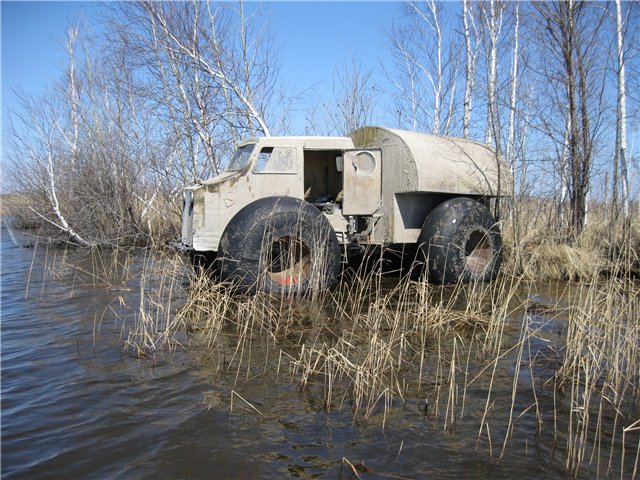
[[307, 168]]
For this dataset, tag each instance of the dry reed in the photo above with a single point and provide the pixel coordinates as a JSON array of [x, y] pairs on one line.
[[377, 340]]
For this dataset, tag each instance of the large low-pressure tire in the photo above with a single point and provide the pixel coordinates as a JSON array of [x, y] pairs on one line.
[[460, 241], [279, 245]]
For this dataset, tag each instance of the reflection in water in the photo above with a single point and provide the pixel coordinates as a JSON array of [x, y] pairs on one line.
[[76, 404]]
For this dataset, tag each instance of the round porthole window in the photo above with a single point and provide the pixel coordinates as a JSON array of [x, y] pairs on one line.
[[364, 163]]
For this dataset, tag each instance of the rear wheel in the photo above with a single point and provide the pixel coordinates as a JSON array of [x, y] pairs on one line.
[[460, 241], [279, 245]]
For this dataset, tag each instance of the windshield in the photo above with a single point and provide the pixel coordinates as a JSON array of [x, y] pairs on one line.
[[240, 158]]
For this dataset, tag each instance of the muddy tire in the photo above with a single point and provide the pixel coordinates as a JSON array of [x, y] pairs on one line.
[[460, 241], [279, 245]]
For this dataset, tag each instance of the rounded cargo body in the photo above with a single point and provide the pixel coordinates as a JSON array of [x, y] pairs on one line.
[[420, 162], [420, 171]]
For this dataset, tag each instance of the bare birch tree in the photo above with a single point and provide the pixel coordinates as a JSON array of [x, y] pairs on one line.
[[85, 150], [471, 50], [354, 98], [73, 95], [492, 19], [621, 117], [36, 148], [213, 75], [426, 56], [569, 48], [234, 69], [514, 89]]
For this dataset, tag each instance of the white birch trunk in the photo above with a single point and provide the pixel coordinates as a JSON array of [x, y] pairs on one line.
[[511, 156], [514, 87], [523, 148], [55, 204], [564, 170], [432, 22], [72, 93], [621, 147], [494, 31], [437, 94], [488, 137], [469, 80]]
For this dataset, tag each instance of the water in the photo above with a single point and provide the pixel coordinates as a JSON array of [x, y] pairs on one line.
[[75, 404]]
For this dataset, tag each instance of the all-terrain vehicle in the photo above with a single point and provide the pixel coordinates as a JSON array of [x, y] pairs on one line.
[[288, 211]]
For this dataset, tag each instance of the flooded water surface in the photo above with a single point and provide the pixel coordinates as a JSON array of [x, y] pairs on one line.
[[78, 403]]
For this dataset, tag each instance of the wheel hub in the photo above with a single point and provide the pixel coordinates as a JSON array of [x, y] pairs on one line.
[[288, 261], [477, 252]]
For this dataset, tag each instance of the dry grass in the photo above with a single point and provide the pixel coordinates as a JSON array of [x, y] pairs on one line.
[[600, 369], [550, 261], [539, 249], [378, 341]]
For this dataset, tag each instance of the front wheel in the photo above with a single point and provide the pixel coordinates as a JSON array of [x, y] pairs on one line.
[[460, 241], [279, 245]]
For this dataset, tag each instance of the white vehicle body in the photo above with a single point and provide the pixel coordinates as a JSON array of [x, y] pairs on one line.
[[375, 186]]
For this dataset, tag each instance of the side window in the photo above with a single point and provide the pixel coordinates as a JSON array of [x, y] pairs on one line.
[[276, 160]]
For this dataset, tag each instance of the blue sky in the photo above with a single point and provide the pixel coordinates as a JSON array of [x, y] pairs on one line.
[[317, 38], [314, 38], [33, 36]]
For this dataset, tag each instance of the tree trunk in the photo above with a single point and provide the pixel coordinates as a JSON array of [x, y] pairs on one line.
[[514, 87], [494, 26], [470, 68], [621, 143]]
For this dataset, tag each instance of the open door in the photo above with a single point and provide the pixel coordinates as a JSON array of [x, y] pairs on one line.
[[362, 182]]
